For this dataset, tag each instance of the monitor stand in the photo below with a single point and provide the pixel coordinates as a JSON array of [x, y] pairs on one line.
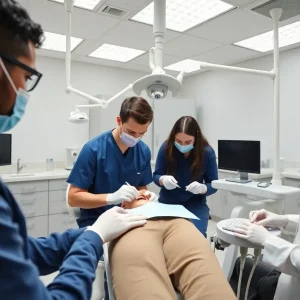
[[244, 178]]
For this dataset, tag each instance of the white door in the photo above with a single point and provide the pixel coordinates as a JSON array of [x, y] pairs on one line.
[[166, 113]]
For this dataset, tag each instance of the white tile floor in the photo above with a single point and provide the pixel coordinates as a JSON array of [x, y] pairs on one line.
[[211, 228]]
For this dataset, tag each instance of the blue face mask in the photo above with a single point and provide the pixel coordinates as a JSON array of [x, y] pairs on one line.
[[22, 97], [184, 149]]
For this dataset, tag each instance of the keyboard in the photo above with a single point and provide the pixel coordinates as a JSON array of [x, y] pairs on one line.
[[232, 223]]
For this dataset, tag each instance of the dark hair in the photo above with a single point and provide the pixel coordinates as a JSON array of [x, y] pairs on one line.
[[17, 30], [190, 126], [138, 109]]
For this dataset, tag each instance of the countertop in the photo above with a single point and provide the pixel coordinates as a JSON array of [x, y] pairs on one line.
[[61, 173], [264, 173], [35, 175], [291, 173]]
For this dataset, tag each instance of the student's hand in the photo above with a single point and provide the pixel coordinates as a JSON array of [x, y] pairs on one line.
[[196, 188], [253, 233], [151, 196], [169, 182], [267, 218], [114, 222], [125, 193]]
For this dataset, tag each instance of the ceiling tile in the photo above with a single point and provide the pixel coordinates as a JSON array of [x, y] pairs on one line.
[[239, 2], [135, 67], [98, 61], [130, 5], [86, 24], [187, 46], [232, 27], [144, 60], [227, 55], [134, 35]]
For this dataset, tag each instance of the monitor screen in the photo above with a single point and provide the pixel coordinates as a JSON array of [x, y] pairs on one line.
[[5, 149], [242, 156]]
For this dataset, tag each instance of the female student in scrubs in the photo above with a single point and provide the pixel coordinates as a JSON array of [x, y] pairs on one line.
[[185, 167]]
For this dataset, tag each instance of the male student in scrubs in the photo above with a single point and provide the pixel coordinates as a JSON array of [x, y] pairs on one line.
[[74, 253], [112, 167]]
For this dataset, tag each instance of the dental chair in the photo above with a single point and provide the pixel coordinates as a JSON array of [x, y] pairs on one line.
[[98, 285]]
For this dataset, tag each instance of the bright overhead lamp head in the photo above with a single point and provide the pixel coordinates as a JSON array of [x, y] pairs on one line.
[[57, 42], [86, 4], [187, 65], [288, 35], [157, 85], [78, 116], [183, 15], [116, 53]]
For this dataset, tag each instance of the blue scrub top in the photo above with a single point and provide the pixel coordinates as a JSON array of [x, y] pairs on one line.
[[75, 253], [101, 168], [194, 203]]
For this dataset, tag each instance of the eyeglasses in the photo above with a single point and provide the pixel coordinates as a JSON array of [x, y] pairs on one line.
[[33, 80]]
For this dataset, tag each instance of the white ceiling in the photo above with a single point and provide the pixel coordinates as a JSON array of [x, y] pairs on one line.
[[211, 41]]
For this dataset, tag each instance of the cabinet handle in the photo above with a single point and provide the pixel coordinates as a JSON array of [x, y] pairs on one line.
[[28, 201], [156, 138], [29, 214], [29, 190]]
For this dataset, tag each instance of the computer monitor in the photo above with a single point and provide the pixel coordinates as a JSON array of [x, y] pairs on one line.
[[5, 149], [241, 156]]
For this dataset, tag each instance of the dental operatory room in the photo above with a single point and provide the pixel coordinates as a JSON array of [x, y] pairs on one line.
[[149, 149]]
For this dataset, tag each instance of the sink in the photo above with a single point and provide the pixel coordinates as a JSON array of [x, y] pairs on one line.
[[21, 175]]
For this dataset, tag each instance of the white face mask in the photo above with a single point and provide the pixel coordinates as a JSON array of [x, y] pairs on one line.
[[129, 140]]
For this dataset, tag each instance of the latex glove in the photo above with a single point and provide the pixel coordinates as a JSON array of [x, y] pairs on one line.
[[153, 196], [267, 218], [125, 193], [114, 222], [254, 233], [169, 182], [196, 188]]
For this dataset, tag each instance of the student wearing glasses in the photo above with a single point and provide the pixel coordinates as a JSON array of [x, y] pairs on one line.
[[74, 253]]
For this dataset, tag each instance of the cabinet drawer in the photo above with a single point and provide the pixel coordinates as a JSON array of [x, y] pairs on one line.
[[28, 187], [58, 184], [33, 205], [37, 226], [57, 202], [61, 223]]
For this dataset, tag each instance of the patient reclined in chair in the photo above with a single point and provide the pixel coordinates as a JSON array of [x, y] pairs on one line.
[[148, 262]]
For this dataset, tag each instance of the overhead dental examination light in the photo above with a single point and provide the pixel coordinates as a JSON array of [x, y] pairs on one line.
[[157, 85]]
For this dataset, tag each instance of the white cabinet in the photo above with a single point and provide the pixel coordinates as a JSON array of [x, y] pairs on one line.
[[34, 204], [292, 206], [61, 223], [37, 226], [43, 204], [222, 203], [57, 202]]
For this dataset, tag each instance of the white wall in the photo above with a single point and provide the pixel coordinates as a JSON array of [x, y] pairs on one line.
[[239, 106], [44, 131]]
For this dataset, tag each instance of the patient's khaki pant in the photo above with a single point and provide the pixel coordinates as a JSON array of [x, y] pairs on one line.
[[148, 262]]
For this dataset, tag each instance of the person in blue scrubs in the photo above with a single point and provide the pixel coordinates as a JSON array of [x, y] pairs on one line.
[[75, 253], [112, 167], [185, 167]]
